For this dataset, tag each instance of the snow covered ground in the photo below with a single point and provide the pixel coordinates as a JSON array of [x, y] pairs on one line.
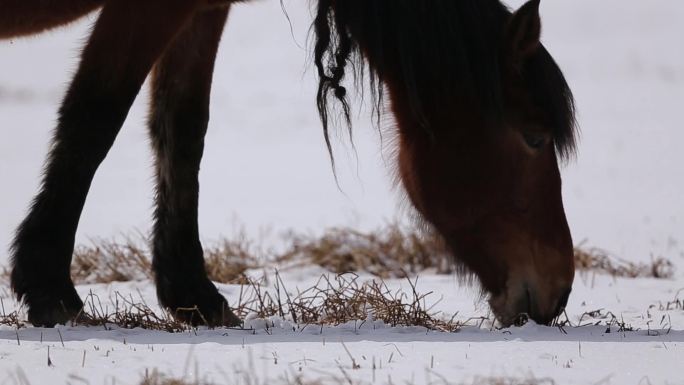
[[266, 168], [279, 349]]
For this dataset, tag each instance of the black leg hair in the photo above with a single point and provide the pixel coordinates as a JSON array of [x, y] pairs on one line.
[[180, 113], [127, 40]]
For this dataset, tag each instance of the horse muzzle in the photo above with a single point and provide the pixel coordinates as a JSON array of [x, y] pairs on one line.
[[526, 302]]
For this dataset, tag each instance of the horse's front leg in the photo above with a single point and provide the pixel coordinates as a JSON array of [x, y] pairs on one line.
[[180, 113], [127, 40]]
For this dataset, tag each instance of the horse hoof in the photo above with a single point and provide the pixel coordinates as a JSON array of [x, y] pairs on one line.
[[203, 306], [206, 315], [47, 308]]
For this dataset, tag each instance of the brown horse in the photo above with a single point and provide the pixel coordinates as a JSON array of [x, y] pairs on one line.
[[482, 111]]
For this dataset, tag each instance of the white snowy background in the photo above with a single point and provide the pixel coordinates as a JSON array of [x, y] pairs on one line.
[[266, 170]]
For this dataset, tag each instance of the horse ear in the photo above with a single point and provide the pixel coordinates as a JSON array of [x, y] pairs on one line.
[[524, 30]]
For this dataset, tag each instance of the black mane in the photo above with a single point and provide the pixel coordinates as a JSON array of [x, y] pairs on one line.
[[434, 47]]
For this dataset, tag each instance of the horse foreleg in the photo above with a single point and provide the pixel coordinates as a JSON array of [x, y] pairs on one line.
[[181, 85], [127, 39], [27, 17]]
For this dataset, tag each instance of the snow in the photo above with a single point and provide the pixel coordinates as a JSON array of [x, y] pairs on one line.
[[277, 348], [266, 169]]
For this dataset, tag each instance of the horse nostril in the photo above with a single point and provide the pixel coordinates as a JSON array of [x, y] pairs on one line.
[[525, 308]]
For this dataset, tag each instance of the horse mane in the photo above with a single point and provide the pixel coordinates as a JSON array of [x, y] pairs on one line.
[[435, 48]]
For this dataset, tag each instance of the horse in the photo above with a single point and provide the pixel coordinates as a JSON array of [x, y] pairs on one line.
[[483, 118]]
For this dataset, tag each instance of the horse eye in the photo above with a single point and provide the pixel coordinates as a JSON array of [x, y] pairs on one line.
[[534, 140]]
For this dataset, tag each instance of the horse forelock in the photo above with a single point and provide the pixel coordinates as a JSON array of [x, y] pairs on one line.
[[549, 89]]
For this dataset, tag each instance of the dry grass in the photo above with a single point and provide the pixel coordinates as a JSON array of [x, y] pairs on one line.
[[123, 312], [513, 381], [106, 261], [11, 319], [676, 303], [251, 377], [127, 313], [601, 317], [228, 260], [342, 299], [390, 252], [386, 253], [157, 379], [600, 261], [332, 301]]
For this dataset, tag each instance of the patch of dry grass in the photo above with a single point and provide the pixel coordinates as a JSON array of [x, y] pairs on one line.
[[109, 261], [106, 261], [601, 317], [387, 253], [228, 260], [513, 381], [595, 259], [676, 303], [127, 313], [342, 299], [157, 379], [390, 252], [250, 375], [11, 319], [331, 301]]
